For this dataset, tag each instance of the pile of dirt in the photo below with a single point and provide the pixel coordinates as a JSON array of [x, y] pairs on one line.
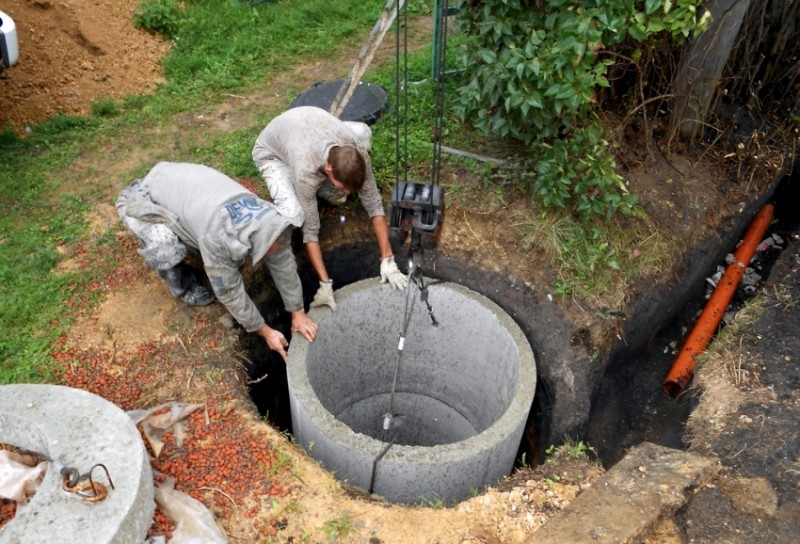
[[73, 53]]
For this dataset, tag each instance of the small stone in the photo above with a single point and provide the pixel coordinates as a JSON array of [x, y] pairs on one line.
[[754, 496]]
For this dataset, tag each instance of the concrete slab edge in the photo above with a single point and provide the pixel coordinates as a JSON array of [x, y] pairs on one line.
[[630, 498]]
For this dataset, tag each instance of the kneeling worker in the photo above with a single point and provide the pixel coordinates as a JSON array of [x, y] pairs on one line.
[[179, 208]]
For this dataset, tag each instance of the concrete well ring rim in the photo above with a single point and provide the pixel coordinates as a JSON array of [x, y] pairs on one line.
[[518, 408]]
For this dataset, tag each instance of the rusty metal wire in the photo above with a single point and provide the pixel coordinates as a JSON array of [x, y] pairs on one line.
[[83, 485]]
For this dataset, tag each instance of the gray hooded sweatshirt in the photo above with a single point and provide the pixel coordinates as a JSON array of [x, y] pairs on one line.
[[224, 221], [302, 137]]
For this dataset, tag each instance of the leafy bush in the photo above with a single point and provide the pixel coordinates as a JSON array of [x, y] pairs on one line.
[[158, 17], [532, 70], [579, 169]]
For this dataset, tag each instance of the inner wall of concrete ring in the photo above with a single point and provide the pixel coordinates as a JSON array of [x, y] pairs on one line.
[[463, 391]]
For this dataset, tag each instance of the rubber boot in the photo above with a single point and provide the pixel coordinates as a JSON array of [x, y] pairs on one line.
[[183, 284]]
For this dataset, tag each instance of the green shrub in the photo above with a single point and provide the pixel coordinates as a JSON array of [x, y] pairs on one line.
[[158, 17], [578, 170], [532, 72]]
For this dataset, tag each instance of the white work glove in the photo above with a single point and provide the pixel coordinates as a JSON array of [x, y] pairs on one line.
[[324, 296], [391, 274]]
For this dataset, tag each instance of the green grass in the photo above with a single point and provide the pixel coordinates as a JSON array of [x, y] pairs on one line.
[[34, 224], [227, 46], [574, 449], [595, 259], [34, 221], [339, 527]]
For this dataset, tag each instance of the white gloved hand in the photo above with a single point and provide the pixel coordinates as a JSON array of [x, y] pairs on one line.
[[324, 296], [391, 274]]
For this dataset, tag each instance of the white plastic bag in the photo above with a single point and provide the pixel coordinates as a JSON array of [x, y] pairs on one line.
[[195, 524], [154, 425], [19, 480]]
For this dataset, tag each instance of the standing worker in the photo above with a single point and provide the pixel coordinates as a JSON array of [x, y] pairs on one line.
[[305, 152], [179, 208]]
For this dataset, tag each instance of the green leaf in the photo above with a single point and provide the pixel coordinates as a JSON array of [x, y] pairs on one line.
[[637, 33], [549, 22], [651, 6], [535, 66], [487, 56], [655, 25], [535, 100]]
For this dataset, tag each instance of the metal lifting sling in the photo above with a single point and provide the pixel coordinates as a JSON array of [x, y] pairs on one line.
[[416, 208]]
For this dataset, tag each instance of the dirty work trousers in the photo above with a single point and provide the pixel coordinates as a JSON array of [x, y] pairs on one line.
[[161, 248]]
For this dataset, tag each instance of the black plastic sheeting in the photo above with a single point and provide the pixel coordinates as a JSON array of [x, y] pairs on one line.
[[367, 105]]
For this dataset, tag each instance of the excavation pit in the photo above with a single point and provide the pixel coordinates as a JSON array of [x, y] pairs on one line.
[[452, 420]]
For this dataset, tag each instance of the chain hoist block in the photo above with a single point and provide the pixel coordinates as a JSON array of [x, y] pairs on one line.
[[417, 209]]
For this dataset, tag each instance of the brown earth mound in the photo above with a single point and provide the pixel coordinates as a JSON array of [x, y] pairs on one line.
[[72, 53]]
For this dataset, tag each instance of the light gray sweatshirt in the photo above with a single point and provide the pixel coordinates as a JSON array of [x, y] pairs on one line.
[[226, 223], [301, 137]]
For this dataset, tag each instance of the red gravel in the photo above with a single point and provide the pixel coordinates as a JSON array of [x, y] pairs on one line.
[[222, 463]]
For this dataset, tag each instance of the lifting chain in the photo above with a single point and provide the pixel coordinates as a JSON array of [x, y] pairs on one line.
[[416, 208]]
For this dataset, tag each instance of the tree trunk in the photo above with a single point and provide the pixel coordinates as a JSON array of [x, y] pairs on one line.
[[700, 68], [764, 65]]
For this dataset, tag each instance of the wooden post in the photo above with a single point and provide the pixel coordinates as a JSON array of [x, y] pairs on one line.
[[365, 56]]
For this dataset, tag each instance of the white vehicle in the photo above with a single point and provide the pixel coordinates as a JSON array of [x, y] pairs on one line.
[[9, 47]]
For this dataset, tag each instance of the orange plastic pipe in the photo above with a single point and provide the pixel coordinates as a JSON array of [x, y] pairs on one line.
[[682, 370]]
